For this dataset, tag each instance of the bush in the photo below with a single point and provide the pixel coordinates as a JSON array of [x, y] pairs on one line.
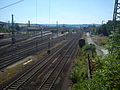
[[107, 73], [106, 76], [79, 72]]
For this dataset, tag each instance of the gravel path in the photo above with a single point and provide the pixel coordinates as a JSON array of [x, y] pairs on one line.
[[100, 50]]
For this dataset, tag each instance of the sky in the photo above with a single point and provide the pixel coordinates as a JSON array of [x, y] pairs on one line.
[[63, 11]]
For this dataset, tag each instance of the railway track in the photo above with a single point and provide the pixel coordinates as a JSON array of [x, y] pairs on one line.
[[50, 79], [8, 41], [18, 39], [19, 54], [22, 53], [32, 71], [19, 45], [54, 63]]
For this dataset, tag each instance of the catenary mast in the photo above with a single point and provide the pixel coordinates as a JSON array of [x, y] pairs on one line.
[[116, 14]]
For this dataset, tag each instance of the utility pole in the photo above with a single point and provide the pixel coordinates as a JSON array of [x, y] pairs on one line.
[[116, 14], [57, 27], [13, 31], [28, 23], [28, 27], [8, 24], [42, 28], [103, 22], [80, 27]]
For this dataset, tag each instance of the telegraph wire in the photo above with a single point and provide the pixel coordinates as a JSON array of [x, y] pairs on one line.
[[11, 4]]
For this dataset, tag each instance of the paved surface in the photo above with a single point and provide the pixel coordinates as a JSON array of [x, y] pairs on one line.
[[100, 50]]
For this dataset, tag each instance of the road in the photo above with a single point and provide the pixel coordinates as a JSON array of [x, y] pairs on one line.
[[99, 49]]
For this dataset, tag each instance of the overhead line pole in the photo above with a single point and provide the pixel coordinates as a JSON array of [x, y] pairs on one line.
[[57, 27], [13, 31], [116, 14], [36, 29]]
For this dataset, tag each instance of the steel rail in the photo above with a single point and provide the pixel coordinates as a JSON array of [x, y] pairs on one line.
[[33, 68], [50, 80]]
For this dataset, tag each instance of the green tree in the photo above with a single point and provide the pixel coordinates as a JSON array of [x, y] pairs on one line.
[[107, 73], [89, 49], [17, 28]]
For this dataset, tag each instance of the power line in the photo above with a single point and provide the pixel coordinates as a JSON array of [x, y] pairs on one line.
[[11, 4]]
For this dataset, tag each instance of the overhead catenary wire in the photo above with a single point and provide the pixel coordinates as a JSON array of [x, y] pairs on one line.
[[11, 4]]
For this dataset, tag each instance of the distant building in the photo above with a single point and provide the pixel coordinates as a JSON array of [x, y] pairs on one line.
[[4, 25]]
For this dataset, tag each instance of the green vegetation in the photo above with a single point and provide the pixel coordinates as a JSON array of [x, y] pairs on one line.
[[101, 41], [8, 29], [105, 77], [79, 72], [105, 29], [106, 70], [89, 49], [5, 30]]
